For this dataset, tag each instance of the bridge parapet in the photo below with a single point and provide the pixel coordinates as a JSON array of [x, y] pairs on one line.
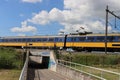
[[83, 72], [23, 75]]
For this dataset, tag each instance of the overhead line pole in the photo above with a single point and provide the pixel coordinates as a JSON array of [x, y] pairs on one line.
[[106, 29]]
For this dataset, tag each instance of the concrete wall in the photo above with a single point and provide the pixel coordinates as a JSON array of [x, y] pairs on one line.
[[70, 73], [52, 62], [65, 71]]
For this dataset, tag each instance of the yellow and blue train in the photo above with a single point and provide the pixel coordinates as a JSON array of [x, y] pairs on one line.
[[79, 42]]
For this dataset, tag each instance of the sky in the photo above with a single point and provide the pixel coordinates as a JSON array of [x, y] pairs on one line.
[[50, 17]]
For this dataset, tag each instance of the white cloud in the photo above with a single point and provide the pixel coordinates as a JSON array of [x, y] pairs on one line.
[[40, 18], [89, 14], [24, 28], [31, 1], [21, 34], [56, 15]]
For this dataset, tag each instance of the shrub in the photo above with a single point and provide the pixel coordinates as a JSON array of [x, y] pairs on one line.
[[9, 58], [93, 59]]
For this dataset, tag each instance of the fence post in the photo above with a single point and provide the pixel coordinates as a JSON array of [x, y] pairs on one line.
[[119, 77], [101, 74], [75, 65]]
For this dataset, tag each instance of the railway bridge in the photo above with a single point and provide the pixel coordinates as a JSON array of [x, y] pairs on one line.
[[42, 65]]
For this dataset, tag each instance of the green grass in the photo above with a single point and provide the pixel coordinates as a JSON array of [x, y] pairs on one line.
[[10, 58], [108, 62], [105, 75], [7, 74], [10, 63]]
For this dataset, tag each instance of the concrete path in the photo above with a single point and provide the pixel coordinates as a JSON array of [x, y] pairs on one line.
[[44, 74]]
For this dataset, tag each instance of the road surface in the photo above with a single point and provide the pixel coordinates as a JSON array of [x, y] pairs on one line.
[[44, 74]]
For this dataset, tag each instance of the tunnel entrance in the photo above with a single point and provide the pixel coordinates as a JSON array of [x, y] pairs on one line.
[[39, 62], [45, 62]]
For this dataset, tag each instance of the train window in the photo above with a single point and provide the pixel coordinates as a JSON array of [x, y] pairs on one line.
[[24, 40], [81, 38], [100, 38], [19, 40], [11, 40], [110, 38], [90, 38], [60, 39], [28, 39], [33, 40], [56, 39], [44, 39], [14, 40], [118, 38], [51, 39], [0, 40], [38, 40], [4, 40], [8, 40], [73, 39], [68, 39]]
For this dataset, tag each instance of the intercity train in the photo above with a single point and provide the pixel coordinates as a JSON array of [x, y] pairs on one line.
[[87, 42]]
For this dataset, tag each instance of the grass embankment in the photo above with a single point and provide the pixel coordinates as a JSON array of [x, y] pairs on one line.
[[92, 59], [7, 74], [105, 61], [10, 63]]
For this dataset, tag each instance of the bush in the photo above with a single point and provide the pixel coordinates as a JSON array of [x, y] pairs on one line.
[[93, 59], [9, 58]]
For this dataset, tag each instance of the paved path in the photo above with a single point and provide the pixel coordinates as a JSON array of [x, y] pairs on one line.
[[44, 74], [35, 73]]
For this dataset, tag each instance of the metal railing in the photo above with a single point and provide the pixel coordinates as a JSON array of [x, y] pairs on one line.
[[23, 75], [94, 73]]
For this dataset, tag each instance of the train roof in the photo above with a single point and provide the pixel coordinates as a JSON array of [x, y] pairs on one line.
[[97, 34], [52, 36], [31, 36]]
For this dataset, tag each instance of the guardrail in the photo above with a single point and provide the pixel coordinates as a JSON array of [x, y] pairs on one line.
[[95, 73], [23, 75]]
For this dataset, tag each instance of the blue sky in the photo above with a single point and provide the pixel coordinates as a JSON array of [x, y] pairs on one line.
[[49, 17], [13, 12]]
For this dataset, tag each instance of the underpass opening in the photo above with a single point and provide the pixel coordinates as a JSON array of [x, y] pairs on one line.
[[34, 62], [45, 62], [39, 62]]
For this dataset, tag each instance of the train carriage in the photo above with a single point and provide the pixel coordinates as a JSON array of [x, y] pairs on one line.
[[94, 42], [79, 42], [33, 41]]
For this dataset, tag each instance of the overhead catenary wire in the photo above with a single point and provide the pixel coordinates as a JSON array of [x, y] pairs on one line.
[[106, 29]]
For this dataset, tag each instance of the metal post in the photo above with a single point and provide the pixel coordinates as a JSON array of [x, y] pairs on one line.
[[26, 47], [75, 66], [106, 30], [101, 74], [119, 77]]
